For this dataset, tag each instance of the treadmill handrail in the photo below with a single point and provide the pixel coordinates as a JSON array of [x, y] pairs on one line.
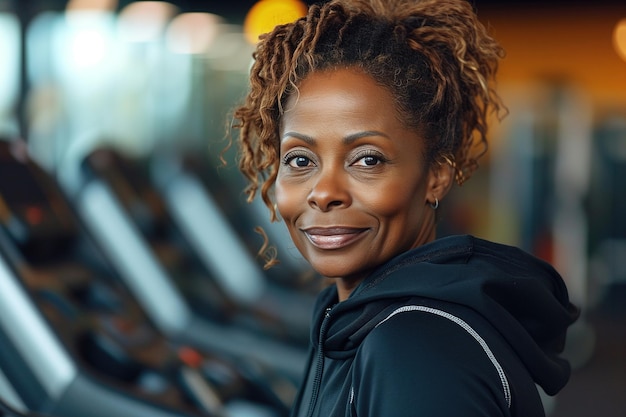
[[8, 396], [147, 279], [226, 256], [28, 330]]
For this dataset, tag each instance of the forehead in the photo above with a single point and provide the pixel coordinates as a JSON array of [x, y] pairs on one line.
[[340, 93], [331, 108], [339, 78]]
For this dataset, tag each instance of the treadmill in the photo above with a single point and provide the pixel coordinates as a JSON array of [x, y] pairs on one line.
[[204, 198], [184, 297], [76, 343]]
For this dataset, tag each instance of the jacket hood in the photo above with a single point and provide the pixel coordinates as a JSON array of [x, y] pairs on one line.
[[523, 298]]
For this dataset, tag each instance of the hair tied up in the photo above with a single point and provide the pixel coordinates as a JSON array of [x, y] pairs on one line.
[[405, 27], [414, 22]]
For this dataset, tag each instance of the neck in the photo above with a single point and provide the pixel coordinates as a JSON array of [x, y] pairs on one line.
[[345, 287]]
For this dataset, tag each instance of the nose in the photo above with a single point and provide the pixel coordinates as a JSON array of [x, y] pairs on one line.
[[330, 191]]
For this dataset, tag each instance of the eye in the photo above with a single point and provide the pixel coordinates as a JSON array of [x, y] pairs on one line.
[[297, 161], [300, 161], [368, 159]]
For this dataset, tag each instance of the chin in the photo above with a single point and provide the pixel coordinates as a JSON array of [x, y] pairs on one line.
[[337, 268]]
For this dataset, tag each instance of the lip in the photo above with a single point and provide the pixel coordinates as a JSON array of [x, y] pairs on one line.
[[329, 238]]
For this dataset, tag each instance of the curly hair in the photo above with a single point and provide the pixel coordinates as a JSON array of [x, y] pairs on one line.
[[434, 56]]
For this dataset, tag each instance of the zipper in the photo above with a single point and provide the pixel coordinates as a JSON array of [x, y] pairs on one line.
[[319, 369]]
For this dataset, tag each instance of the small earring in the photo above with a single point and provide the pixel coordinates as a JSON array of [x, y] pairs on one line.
[[436, 205]]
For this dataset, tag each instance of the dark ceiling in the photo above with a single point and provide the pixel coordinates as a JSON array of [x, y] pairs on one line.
[[236, 9], [239, 7]]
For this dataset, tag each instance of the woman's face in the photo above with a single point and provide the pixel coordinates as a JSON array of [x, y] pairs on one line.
[[352, 187]]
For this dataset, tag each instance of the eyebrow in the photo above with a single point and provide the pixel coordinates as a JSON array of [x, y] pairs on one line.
[[346, 140]]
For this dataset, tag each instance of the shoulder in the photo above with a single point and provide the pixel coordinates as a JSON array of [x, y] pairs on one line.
[[429, 331], [426, 357]]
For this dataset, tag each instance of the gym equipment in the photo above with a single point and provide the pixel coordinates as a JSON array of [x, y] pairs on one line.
[[75, 342], [182, 295]]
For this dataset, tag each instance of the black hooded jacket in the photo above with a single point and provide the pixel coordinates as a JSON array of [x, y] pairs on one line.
[[457, 327]]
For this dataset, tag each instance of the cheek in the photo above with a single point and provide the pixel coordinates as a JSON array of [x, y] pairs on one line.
[[287, 200], [399, 213], [394, 199]]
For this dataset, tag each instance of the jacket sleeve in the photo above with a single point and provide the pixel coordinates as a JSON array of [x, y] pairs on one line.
[[422, 364]]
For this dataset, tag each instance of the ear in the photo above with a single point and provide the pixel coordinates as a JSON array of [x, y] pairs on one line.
[[440, 180]]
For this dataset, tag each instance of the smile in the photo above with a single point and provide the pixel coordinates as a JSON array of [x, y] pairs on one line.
[[333, 237]]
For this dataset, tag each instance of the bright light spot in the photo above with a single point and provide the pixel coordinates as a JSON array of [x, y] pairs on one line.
[[192, 33], [9, 56], [80, 41], [265, 15], [619, 38], [145, 21], [88, 48]]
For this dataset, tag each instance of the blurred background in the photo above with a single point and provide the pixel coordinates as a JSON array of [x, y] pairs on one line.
[[122, 107]]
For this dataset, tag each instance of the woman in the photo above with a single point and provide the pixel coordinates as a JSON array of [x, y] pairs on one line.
[[359, 118]]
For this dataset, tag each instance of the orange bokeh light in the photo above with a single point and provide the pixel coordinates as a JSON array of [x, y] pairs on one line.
[[619, 38], [265, 15]]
